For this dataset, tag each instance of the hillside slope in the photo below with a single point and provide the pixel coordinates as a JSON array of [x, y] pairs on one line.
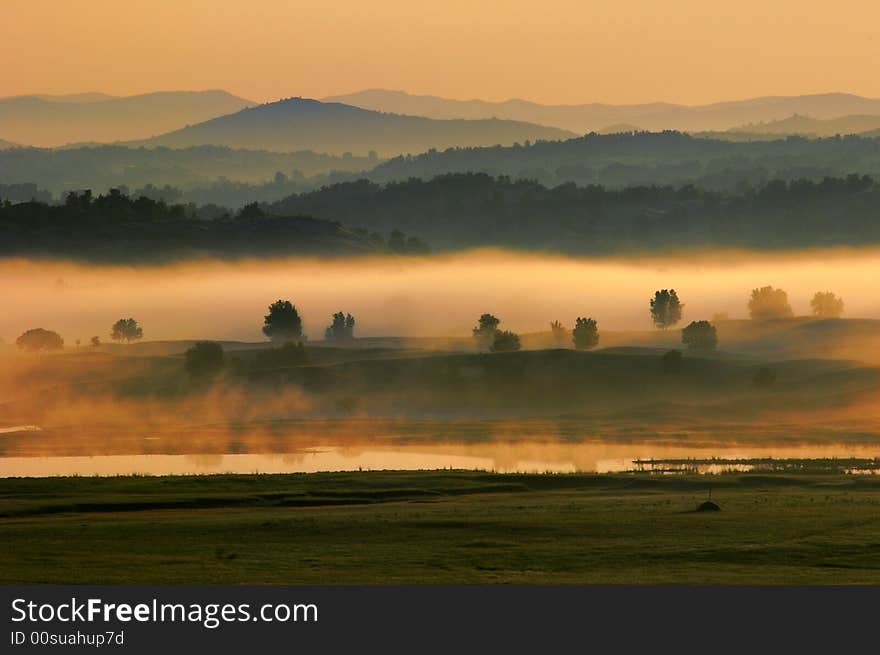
[[302, 124], [51, 121]]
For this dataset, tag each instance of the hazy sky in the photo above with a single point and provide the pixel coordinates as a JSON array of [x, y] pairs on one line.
[[564, 51]]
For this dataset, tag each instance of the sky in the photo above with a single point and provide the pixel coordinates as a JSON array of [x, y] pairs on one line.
[[554, 51]]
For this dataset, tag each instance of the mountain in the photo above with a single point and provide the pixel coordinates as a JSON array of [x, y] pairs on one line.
[[596, 116], [808, 126], [302, 124], [8, 145], [56, 120], [649, 158], [74, 97]]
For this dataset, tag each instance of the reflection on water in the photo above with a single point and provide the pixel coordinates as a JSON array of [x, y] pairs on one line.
[[526, 457], [20, 428]]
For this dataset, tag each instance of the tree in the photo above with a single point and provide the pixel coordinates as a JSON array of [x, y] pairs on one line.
[[700, 335], [126, 329], [585, 334], [397, 241], [826, 305], [504, 341], [560, 334], [341, 329], [671, 362], [204, 360], [40, 339], [768, 303], [666, 308], [283, 322], [484, 333], [96, 341]]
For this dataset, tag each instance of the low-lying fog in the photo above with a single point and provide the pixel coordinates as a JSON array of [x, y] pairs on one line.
[[433, 296]]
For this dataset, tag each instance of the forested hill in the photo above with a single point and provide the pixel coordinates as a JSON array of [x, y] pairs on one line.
[[467, 210], [116, 228], [649, 158], [303, 124]]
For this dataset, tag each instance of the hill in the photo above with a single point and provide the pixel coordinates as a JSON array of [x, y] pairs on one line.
[[596, 116], [624, 159], [8, 145], [57, 120], [808, 126], [116, 228], [466, 210], [302, 124], [216, 169]]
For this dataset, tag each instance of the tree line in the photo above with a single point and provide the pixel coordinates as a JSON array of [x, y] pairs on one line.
[[460, 210], [117, 227]]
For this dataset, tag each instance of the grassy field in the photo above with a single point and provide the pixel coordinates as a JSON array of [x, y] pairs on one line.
[[441, 527]]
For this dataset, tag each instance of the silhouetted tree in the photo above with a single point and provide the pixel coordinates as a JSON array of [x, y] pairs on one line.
[[251, 210], [826, 305], [96, 341], [671, 362], [341, 329], [665, 308], [204, 360], [397, 241], [40, 339], [484, 333], [767, 303], [700, 335], [504, 341], [585, 334], [127, 330], [560, 334], [283, 322]]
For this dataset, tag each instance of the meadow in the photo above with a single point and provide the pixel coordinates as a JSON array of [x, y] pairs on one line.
[[441, 527]]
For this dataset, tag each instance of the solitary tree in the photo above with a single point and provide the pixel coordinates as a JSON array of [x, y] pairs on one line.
[[700, 335], [40, 339], [826, 305], [585, 334], [204, 360], [768, 303], [283, 322], [504, 341], [484, 333], [95, 341], [341, 329], [560, 334], [665, 308], [127, 330]]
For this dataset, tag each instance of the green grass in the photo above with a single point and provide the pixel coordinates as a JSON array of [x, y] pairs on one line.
[[441, 527]]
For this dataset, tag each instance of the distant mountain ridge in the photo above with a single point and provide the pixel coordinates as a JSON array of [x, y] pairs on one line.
[[304, 124], [50, 121], [809, 126], [591, 117]]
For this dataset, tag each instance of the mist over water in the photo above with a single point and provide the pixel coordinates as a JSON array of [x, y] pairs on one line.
[[440, 295]]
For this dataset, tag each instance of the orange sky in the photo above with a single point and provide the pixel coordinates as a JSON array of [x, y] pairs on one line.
[[564, 51]]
